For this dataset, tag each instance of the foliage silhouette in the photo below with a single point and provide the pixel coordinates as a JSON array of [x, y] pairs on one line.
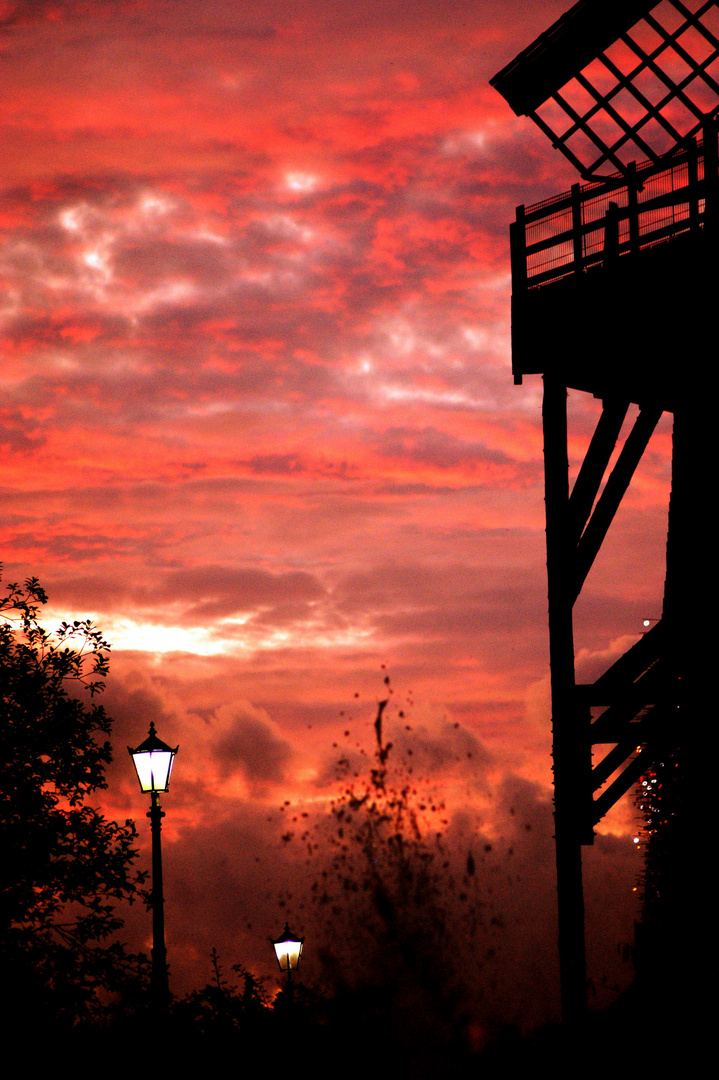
[[225, 1005], [65, 867], [398, 919]]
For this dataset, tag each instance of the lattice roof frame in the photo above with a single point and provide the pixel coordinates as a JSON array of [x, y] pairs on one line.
[[581, 39]]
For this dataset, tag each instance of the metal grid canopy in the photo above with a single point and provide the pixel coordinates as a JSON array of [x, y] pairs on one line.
[[617, 80]]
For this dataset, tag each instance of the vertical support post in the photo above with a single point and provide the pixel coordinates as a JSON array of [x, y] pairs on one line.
[[159, 986], [693, 184], [518, 253], [692, 601], [711, 176], [577, 237], [632, 207], [685, 944], [611, 235], [570, 745]]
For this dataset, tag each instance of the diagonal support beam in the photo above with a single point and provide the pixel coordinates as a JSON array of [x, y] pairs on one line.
[[627, 669], [619, 479], [647, 732], [636, 768], [586, 486], [650, 688], [613, 761]]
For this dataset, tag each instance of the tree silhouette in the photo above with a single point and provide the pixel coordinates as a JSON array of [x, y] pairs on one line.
[[396, 911], [64, 866]]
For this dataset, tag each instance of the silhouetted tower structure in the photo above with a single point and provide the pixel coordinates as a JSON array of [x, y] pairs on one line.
[[614, 291]]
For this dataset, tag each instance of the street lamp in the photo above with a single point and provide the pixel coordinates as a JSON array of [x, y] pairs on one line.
[[153, 763], [288, 950]]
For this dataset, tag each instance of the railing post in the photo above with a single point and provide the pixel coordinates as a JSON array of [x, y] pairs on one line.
[[693, 184], [633, 208], [711, 176], [518, 256], [577, 237], [611, 234], [518, 251]]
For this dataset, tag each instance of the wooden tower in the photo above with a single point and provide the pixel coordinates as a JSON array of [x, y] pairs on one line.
[[614, 294]]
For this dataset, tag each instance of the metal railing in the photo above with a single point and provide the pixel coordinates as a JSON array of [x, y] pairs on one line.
[[592, 223]]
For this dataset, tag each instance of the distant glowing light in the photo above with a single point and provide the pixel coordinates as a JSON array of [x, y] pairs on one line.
[[465, 142], [478, 139], [70, 219], [169, 293], [301, 181], [402, 337], [475, 337], [153, 203], [286, 226], [210, 238], [96, 260], [230, 636], [450, 398], [155, 638]]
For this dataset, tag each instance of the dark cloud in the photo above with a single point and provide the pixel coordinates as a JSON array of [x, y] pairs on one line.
[[433, 447], [215, 591], [253, 746], [19, 434]]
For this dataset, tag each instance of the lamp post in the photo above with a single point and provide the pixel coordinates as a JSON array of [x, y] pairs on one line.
[[288, 950], [153, 763]]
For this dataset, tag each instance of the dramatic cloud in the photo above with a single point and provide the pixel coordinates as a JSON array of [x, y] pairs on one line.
[[258, 421]]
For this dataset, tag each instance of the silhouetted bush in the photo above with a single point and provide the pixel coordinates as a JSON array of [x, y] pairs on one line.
[[65, 867], [398, 919]]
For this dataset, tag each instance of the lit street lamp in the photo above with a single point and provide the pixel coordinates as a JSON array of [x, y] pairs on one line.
[[288, 949], [153, 762]]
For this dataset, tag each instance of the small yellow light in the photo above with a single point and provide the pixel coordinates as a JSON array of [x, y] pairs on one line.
[[288, 949]]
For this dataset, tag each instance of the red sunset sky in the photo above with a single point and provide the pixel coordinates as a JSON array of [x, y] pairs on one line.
[[258, 422]]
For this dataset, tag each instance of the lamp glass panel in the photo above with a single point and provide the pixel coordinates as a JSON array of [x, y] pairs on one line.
[[153, 769], [288, 954]]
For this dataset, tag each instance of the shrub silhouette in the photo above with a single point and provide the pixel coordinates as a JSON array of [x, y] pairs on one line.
[[395, 910], [65, 867], [225, 1005]]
